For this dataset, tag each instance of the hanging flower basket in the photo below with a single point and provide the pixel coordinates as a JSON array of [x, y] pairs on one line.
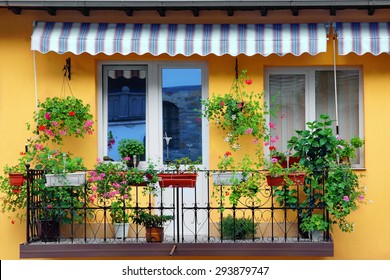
[[174, 180], [69, 179]]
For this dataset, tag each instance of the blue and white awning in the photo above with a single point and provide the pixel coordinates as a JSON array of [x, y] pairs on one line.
[[175, 39], [363, 37]]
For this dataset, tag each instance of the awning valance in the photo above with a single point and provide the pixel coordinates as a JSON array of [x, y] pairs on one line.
[[174, 39], [363, 37]]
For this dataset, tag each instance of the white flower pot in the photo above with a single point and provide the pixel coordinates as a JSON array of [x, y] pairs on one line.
[[121, 230], [228, 178], [69, 179]]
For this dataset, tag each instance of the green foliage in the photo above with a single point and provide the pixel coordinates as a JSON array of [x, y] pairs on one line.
[[314, 222], [58, 117], [130, 148], [147, 219], [237, 113], [184, 165], [236, 228], [64, 204]]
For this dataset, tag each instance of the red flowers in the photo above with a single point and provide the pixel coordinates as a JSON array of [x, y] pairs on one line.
[[72, 113], [221, 103], [248, 81], [228, 154], [41, 128], [272, 148]]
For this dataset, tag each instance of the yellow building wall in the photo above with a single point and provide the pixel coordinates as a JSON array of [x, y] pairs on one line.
[[370, 240]]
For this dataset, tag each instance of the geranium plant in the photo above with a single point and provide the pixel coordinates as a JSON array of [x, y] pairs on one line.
[[238, 112], [58, 117]]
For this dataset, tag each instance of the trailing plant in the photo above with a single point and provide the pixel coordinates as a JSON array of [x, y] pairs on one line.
[[237, 113], [58, 117]]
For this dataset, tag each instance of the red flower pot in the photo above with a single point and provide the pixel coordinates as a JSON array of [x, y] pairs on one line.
[[181, 180], [16, 179], [298, 178]]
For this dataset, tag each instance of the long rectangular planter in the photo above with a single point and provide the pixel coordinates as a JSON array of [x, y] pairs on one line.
[[182, 180], [228, 178], [67, 180]]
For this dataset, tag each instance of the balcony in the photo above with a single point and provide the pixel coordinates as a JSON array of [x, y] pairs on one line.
[[205, 223]]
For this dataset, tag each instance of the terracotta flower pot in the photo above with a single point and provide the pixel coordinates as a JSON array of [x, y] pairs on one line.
[[16, 179], [298, 178], [154, 234], [182, 180]]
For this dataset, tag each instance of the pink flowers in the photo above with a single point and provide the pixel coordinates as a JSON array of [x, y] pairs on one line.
[[221, 103], [346, 198], [47, 116], [39, 146], [272, 125], [249, 131]]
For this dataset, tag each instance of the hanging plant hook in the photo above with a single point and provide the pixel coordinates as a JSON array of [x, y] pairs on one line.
[[67, 68]]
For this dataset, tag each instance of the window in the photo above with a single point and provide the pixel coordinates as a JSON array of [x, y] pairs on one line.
[[153, 102], [299, 95]]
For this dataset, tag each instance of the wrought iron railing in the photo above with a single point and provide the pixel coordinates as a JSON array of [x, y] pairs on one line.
[[205, 213]]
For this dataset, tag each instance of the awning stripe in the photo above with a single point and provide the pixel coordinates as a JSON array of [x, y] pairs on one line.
[[174, 39], [363, 37]]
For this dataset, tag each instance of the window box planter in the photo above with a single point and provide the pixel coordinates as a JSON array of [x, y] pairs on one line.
[[69, 179], [298, 178], [228, 178], [177, 180]]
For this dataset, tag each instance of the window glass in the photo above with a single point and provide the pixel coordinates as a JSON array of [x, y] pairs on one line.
[[181, 95]]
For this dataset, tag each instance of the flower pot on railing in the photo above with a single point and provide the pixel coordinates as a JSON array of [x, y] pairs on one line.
[[228, 178], [16, 179], [69, 179], [177, 180], [297, 178], [286, 163]]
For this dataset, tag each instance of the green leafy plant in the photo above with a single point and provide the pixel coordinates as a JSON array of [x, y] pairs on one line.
[[314, 222], [58, 117], [233, 228], [130, 148], [332, 185], [148, 220], [182, 165], [237, 113]]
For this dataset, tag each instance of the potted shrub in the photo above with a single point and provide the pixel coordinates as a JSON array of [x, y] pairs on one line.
[[131, 150], [233, 228], [332, 186], [153, 224], [316, 226], [180, 173], [120, 216]]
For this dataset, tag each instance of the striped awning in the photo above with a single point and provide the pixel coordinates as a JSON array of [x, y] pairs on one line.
[[174, 39], [363, 37]]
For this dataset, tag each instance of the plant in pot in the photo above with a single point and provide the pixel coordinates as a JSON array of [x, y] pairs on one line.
[[332, 186], [120, 216], [233, 228], [131, 150], [153, 224], [346, 150], [227, 175], [179, 173], [316, 226], [59, 205], [13, 194], [237, 113]]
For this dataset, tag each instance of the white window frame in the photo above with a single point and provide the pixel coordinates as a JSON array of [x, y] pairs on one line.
[[310, 114], [153, 100]]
